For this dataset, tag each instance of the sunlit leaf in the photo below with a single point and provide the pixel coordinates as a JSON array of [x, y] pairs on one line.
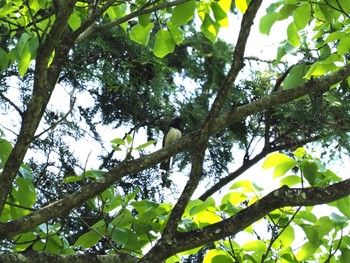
[[120, 235], [164, 43], [280, 161], [140, 34], [183, 13], [255, 245], [144, 145], [241, 5], [25, 194], [24, 60], [176, 33], [266, 22], [295, 77], [217, 256], [129, 139], [4, 60], [302, 16], [343, 46], [306, 252], [210, 28], [319, 69], [118, 141], [5, 150], [292, 34], [219, 14], [88, 239], [74, 21]]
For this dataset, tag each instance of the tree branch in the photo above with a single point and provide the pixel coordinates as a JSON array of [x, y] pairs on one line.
[[42, 257], [281, 197], [237, 60], [127, 167], [42, 91]]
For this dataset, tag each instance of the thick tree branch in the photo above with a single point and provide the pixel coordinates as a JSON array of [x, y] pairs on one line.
[[42, 257], [249, 163], [42, 91], [127, 167], [237, 60], [281, 197]]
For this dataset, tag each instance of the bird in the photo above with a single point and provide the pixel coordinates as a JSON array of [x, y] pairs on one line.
[[171, 134]]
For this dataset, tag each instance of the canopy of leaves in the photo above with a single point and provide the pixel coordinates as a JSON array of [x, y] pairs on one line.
[[109, 75]]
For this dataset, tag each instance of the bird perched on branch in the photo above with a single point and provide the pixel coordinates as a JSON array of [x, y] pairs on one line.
[[171, 134]]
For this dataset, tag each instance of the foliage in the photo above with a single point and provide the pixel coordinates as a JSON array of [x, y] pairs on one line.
[[139, 63]]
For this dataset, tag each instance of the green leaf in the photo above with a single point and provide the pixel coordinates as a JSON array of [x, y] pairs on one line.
[[24, 60], [217, 256], [234, 198], [310, 172], [266, 22], [219, 14], [115, 202], [225, 5], [53, 244], [203, 9], [73, 178], [241, 5], [284, 48], [95, 174], [281, 162], [210, 28], [129, 139], [208, 203], [336, 36], [342, 205], [306, 252], [25, 37], [25, 194], [123, 220], [245, 186], [164, 43], [140, 34], [144, 145], [88, 239], [292, 35], [286, 11], [302, 16], [74, 21], [312, 234], [319, 69], [343, 46], [5, 150], [120, 235], [183, 13], [176, 33], [295, 77], [256, 245], [26, 172], [118, 141], [286, 238], [290, 180], [4, 60], [144, 19], [144, 205], [23, 241]]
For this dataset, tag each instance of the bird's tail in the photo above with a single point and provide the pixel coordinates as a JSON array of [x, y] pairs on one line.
[[165, 165]]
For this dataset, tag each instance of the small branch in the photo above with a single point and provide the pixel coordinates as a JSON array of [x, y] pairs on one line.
[[12, 104], [58, 122]]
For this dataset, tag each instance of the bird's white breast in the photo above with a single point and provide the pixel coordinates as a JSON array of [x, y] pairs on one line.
[[172, 136]]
